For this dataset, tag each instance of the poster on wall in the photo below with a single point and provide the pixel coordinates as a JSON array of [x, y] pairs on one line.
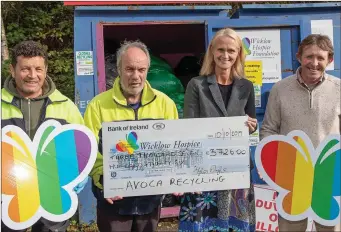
[[265, 46], [266, 210], [254, 138], [253, 71], [84, 63], [258, 95], [292, 166], [324, 27]]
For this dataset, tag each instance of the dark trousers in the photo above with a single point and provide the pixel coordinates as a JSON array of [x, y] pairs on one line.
[[113, 222], [42, 225]]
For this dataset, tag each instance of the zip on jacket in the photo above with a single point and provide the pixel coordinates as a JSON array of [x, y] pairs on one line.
[[29, 117], [310, 91], [136, 111]]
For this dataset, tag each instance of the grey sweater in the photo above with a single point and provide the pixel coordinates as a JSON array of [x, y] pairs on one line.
[[292, 106]]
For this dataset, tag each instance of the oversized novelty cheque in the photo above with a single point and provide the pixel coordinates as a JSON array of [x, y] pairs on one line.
[[307, 179], [38, 176], [165, 156]]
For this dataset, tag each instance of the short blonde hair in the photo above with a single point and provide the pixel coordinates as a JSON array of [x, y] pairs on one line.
[[208, 66]]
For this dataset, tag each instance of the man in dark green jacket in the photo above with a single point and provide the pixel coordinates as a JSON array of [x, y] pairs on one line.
[[29, 98]]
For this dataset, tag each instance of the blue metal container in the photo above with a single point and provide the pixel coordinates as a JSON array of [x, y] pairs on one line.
[[171, 32]]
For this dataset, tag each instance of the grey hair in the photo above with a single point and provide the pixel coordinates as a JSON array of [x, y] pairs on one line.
[[125, 46]]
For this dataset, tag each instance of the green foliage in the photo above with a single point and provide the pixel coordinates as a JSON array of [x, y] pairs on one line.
[[5, 71], [50, 23]]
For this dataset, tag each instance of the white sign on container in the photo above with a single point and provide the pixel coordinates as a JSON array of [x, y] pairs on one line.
[[254, 138], [266, 211], [258, 95], [264, 45], [324, 27], [84, 63]]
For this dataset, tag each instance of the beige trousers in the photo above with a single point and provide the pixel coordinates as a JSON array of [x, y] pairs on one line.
[[285, 225], [338, 227]]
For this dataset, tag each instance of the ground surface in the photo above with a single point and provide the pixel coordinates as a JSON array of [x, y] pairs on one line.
[[166, 224]]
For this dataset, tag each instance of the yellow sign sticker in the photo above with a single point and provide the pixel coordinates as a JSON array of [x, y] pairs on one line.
[[254, 71]]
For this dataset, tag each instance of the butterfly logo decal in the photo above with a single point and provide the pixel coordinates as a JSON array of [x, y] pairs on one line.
[[246, 45], [307, 179], [38, 176], [129, 145]]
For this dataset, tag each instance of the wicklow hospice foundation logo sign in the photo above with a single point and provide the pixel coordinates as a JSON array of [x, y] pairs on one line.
[[265, 46], [259, 47]]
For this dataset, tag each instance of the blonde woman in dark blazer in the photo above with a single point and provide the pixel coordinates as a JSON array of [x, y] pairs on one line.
[[220, 91]]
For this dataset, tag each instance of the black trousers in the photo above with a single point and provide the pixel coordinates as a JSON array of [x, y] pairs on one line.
[[42, 225], [113, 222]]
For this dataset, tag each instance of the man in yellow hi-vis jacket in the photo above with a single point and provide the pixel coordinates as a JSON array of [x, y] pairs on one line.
[[29, 98], [131, 98]]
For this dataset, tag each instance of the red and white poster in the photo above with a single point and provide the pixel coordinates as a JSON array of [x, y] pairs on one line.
[[266, 210]]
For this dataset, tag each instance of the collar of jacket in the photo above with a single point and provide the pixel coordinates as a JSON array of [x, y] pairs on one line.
[[237, 93], [148, 95], [213, 80], [55, 96]]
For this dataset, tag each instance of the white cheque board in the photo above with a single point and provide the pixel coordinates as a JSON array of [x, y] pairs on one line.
[[165, 156]]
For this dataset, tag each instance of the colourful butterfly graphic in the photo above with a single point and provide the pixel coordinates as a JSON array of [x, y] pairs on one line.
[[246, 45], [129, 145], [38, 176], [307, 179]]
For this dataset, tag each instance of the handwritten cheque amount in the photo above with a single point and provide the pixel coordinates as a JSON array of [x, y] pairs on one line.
[[166, 156]]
